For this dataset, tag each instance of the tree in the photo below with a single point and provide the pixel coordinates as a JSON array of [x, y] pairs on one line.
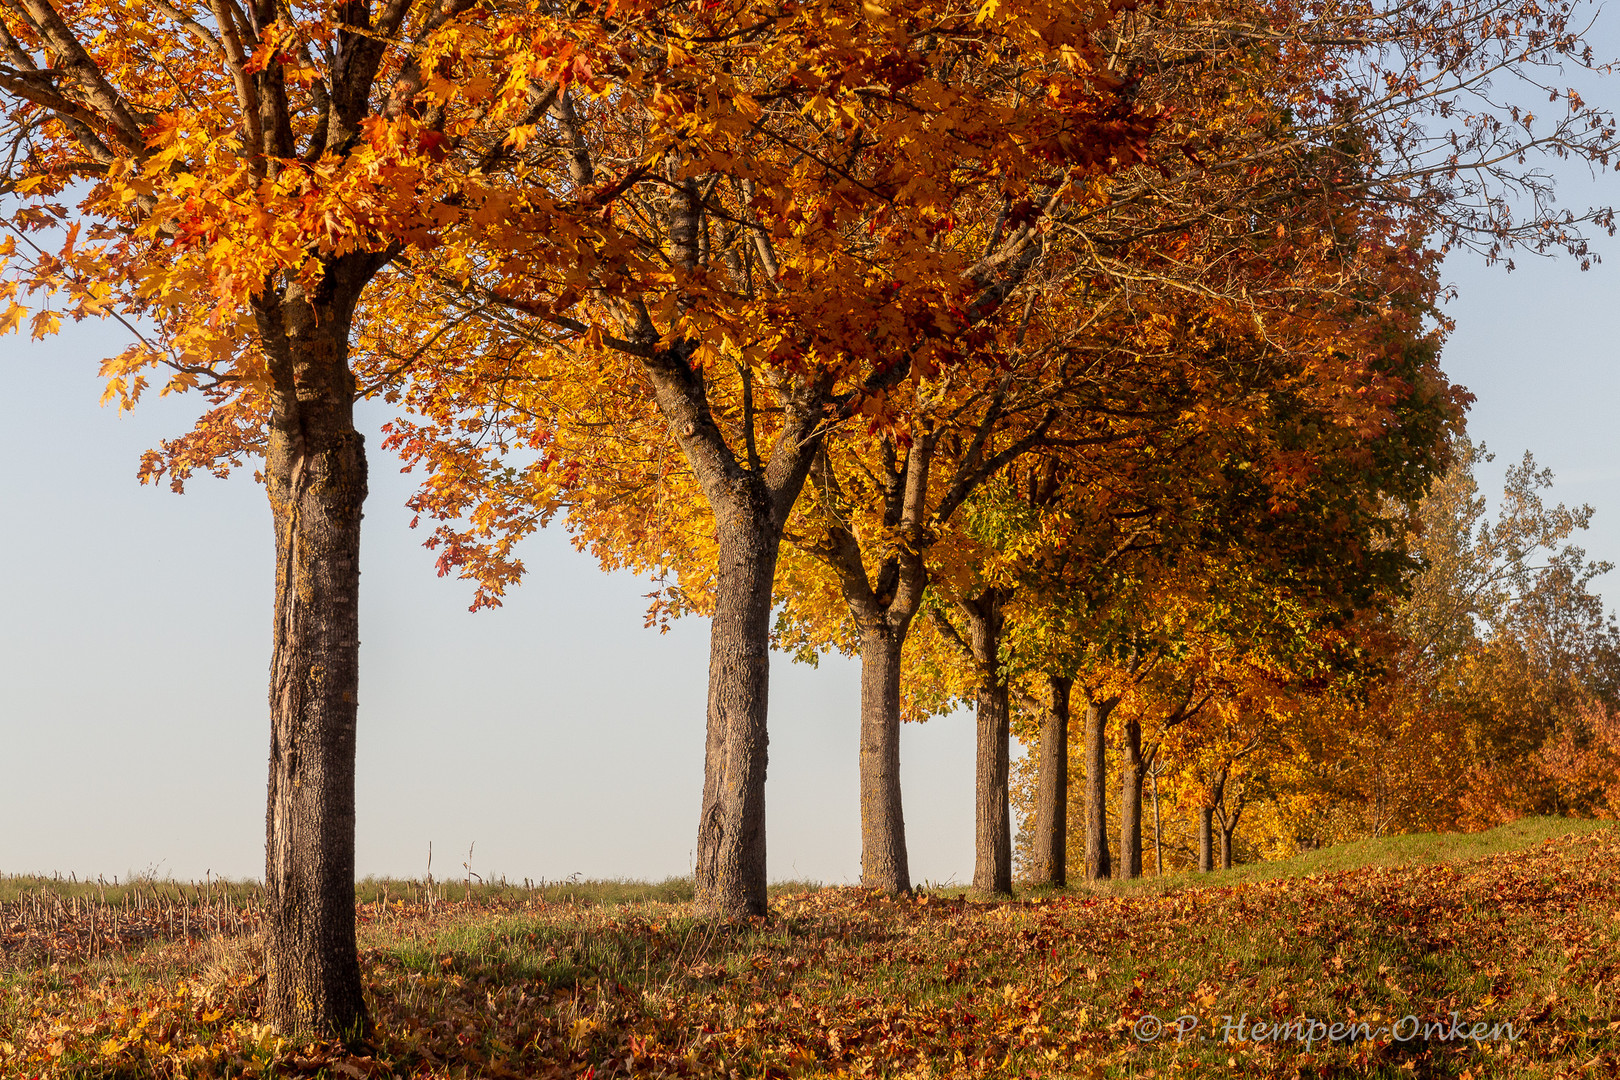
[[879, 503], [884, 518], [1505, 636], [1319, 138], [812, 209], [1480, 692], [755, 203], [242, 173], [1139, 763], [1235, 559]]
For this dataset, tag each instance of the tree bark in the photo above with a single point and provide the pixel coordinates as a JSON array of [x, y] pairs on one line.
[[1096, 751], [730, 871], [1132, 771], [315, 472], [883, 822], [1206, 861], [1226, 845], [1206, 821], [992, 818], [1049, 865], [1158, 835]]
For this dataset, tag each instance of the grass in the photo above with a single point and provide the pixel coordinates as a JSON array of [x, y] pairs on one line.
[[368, 890], [1520, 926], [1411, 849], [15, 886]]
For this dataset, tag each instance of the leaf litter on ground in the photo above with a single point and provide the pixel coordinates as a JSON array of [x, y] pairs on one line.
[[844, 982]]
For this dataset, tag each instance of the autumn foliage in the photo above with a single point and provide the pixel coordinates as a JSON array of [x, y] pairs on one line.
[[1076, 362]]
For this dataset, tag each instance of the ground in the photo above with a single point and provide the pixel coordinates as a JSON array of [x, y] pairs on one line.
[[1469, 957]]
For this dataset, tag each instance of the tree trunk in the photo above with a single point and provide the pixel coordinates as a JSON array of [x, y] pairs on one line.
[[1229, 816], [883, 608], [730, 871], [1049, 863], [1158, 836], [315, 472], [992, 863], [1096, 751], [1206, 822], [883, 822], [992, 855], [1131, 775], [1206, 818], [751, 501]]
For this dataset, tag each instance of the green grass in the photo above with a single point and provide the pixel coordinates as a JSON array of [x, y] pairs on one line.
[[1411, 849], [602, 893]]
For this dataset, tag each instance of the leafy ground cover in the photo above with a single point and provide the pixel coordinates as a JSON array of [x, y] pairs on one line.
[[1502, 965]]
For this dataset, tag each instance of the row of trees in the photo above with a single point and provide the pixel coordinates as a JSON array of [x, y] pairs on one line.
[[1497, 694], [1482, 691], [1030, 344]]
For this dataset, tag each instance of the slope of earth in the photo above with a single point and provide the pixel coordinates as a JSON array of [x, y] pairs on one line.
[[1502, 966], [1405, 849]]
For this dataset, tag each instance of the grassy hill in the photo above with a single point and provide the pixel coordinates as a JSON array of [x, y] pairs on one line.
[[1410, 849], [1496, 955]]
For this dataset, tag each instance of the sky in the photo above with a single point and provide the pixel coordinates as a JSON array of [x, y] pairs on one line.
[[554, 736]]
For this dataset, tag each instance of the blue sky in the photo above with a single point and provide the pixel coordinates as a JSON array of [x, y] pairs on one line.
[[556, 734]]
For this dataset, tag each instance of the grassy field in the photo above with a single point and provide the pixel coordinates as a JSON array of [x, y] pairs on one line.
[[1495, 955]]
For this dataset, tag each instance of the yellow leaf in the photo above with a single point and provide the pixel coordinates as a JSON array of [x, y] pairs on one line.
[[45, 323]]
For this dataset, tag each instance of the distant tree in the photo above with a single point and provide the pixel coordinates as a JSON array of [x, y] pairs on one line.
[[1488, 690]]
